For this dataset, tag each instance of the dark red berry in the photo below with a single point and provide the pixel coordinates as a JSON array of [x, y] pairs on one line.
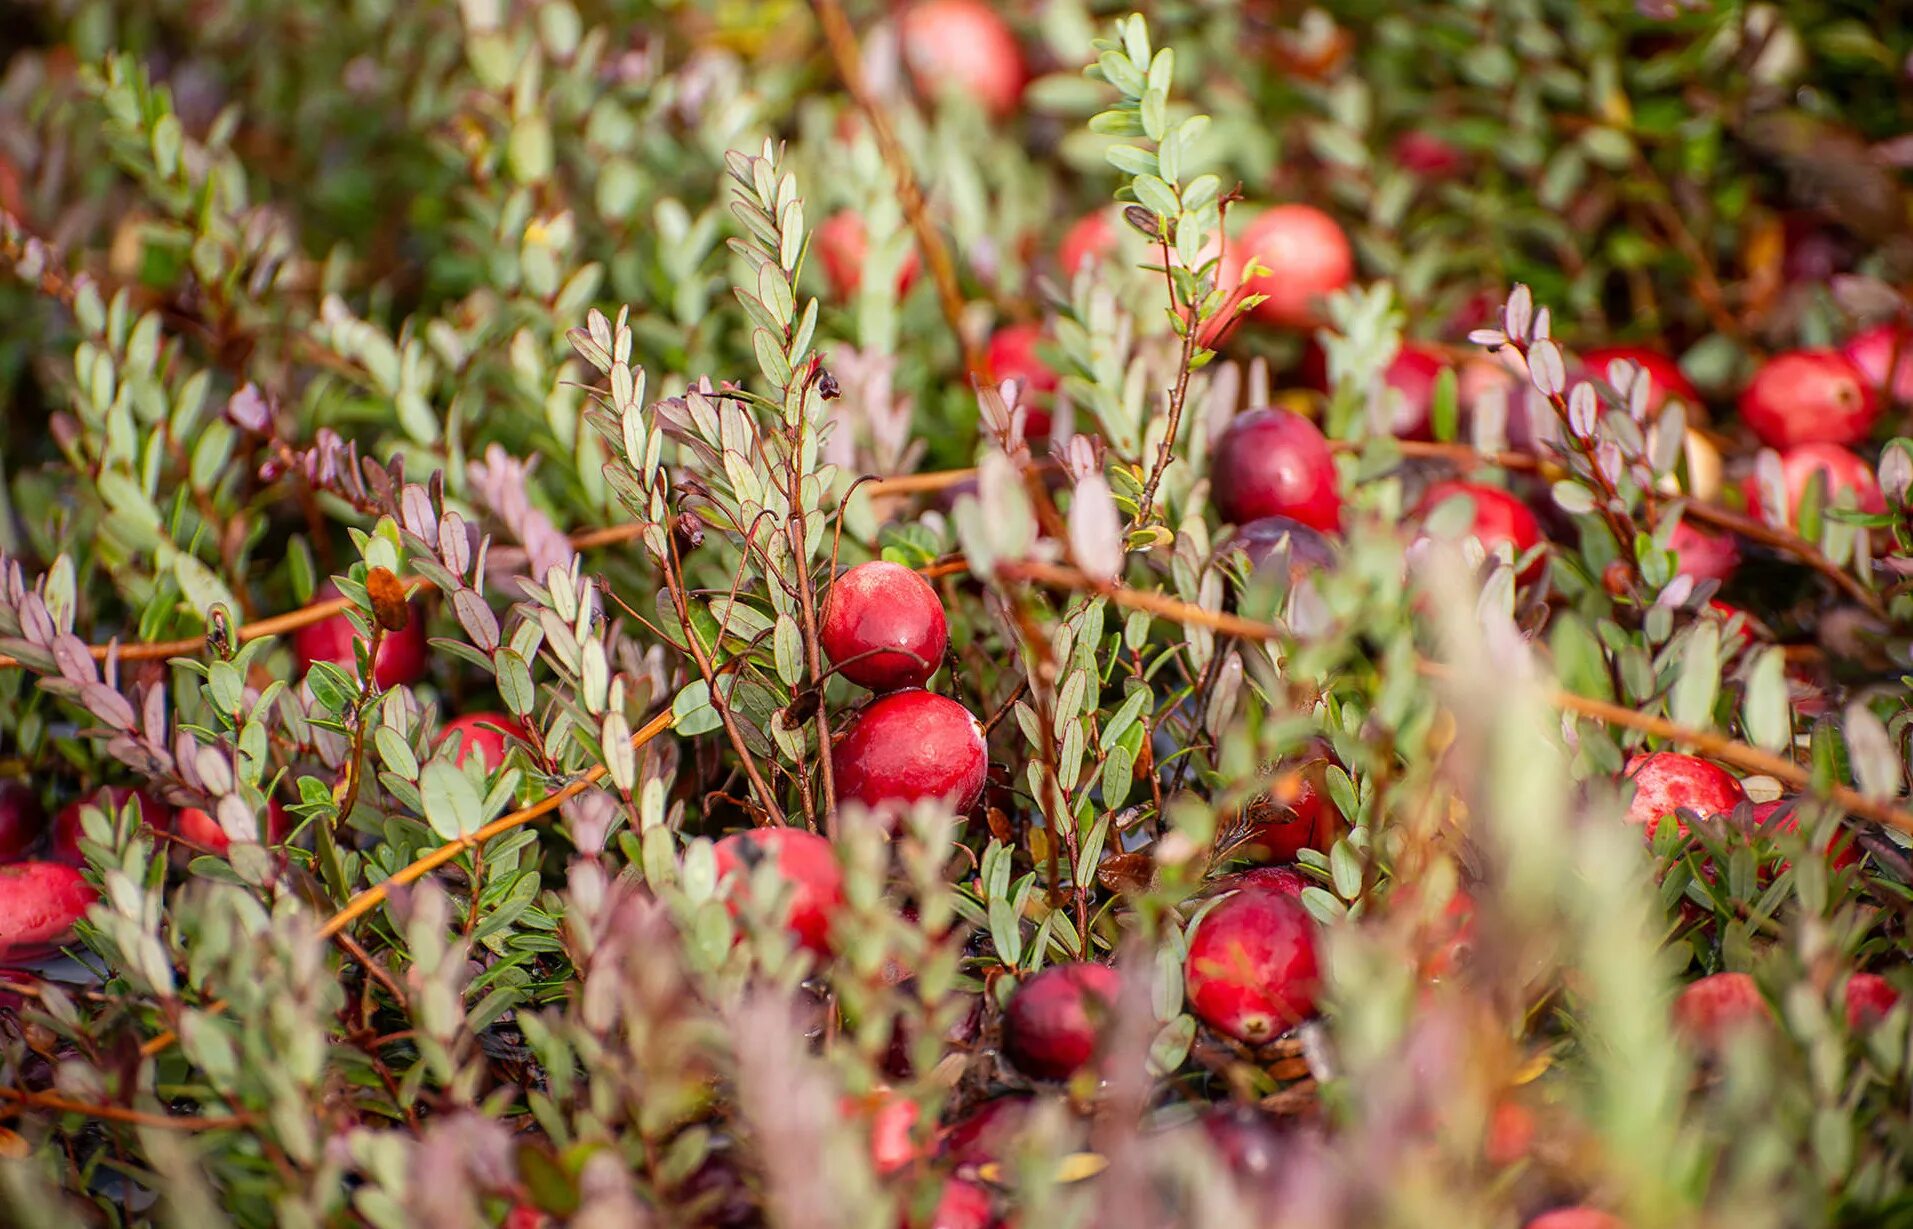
[[1716, 1007], [1306, 255], [1809, 397], [402, 654], [1053, 1022], [1428, 156], [804, 861], [987, 1133], [1668, 781], [39, 902], [1309, 550], [908, 746], [483, 733], [964, 44], [1499, 518], [1869, 998], [22, 819], [1251, 972], [883, 627], [1294, 813], [1275, 463]]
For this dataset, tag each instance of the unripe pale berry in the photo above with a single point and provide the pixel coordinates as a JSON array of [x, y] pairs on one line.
[[1809, 397], [482, 733], [1669, 781], [1251, 972], [1499, 518], [1307, 256], [804, 861], [883, 626], [965, 45], [39, 902], [1272, 462], [909, 746], [1054, 1020]]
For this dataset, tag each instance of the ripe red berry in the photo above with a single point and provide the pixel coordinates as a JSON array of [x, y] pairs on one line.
[[1251, 972], [1307, 256], [883, 626], [1714, 1008], [840, 243], [891, 1119], [1703, 555], [1665, 378], [1053, 1022], [908, 746], [1428, 156], [39, 902], [1846, 474], [402, 654], [1809, 397], [1285, 880], [1498, 518], [67, 828], [1667, 781], [1412, 376], [483, 733], [965, 45], [1275, 463], [1869, 997], [22, 819], [1294, 813], [963, 1205], [1090, 240], [1011, 355], [987, 1133], [1577, 1218], [201, 829], [1782, 815], [805, 861], [1874, 350], [1309, 550]]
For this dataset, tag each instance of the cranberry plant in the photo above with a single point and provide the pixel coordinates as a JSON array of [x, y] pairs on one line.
[[942, 615]]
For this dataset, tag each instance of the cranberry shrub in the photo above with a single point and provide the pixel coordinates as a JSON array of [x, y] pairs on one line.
[[761, 614]]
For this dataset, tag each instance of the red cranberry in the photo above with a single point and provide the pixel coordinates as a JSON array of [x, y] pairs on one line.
[[1869, 998], [1294, 813], [484, 733], [22, 819], [1054, 1020], [1577, 1218], [1809, 397], [1427, 156], [1275, 463], [67, 828], [1307, 256], [1498, 518], [1309, 550], [1703, 555], [965, 44], [1090, 240], [1845, 473], [908, 746], [1664, 376], [1285, 880], [1011, 355], [987, 1133], [891, 1118], [1781, 815], [39, 902], [840, 243], [1667, 781], [805, 861], [525, 1216], [1251, 972], [1714, 1008], [1249, 1144], [201, 829], [1874, 349], [402, 654], [883, 626], [963, 1205], [1511, 1131], [1412, 374]]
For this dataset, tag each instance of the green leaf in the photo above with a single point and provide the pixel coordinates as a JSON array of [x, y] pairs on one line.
[[1766, 713], [452, 805], [693, 712], [1692, 702]]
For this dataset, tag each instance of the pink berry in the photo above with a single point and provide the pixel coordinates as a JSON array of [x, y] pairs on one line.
[[1714, 1008], [1665, 378], [964, 44], [805, 861], [402, 654], [483, 733], [883, 627], [1307, 256], [22, 819], [1869, 998], [1577, 1218], [1809, 397], [1251, 972], [1053, 1022], [67, 827], [1275, 463], [909, 746], [1090, 240], [1499, 518], [840, 243], [1845, 474], [39, 902], [1879, 347], [1667, 781], [1703, 555], [198, 828]]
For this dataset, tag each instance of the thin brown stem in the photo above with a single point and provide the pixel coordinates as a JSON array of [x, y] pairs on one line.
[[121, 1113]]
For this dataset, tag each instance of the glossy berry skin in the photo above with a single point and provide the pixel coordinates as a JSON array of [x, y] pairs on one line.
[[883, 627], [1667, 781], [1576, 1218], [1665, 378], [1090, 240], [1874, 350], [1275, 463], [805, 861], [1809, 397], [1703, 555], [1498, 518], [1780, 816], [965, 45], [1053, 1022], [483, 733], [1307, 256], [39, 902], [1845, 473], [198, 828], [840, 243], [1283, 880], [909, 746], [1714, 1008], [402, 654], [1869, 998], [67, 827], [22, 819], [1251, 973], [1294, 813]]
